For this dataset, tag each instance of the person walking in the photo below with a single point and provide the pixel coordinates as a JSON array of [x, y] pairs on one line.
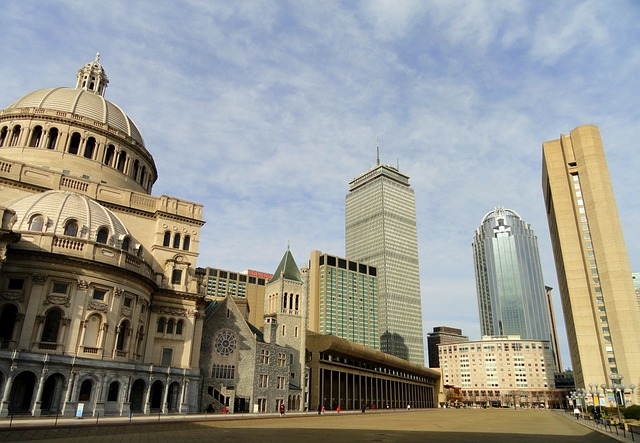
[[322, 409], [281, 409], [576, 412], [338, 409]]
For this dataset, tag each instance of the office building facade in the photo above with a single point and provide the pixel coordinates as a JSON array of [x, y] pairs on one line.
[[512, 297], [594, 276], [381, 231], [501, 371], [442, 335], [343, 299]]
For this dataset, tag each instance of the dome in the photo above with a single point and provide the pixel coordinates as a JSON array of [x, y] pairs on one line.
[[57, 207], [81, 102], [500, 212]]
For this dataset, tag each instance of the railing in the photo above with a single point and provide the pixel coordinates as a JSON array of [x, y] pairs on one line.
[[74, 184], [48, 346], [66, 243], [5, 167], [88, 350]]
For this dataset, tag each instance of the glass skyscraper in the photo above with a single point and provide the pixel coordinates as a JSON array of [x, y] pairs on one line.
[[511, 290], [381, 231]]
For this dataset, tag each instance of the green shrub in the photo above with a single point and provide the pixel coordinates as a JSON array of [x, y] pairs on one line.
[[632, 412]]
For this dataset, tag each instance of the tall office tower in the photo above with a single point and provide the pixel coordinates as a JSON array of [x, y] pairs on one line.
[[343, 299], [598, 298], [381, 231], [442, 335], [511, 291]]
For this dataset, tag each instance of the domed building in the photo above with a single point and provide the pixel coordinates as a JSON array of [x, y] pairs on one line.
[[99, 301]]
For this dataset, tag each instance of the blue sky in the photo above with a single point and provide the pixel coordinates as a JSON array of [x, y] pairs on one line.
[[263, 111]]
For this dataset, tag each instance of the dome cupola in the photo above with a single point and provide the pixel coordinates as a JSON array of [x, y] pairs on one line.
[[92, 78]]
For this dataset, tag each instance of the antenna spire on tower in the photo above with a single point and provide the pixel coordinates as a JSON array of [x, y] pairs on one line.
[[377, 151]]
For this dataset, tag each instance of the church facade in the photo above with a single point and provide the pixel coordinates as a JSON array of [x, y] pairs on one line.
[[99, 301]]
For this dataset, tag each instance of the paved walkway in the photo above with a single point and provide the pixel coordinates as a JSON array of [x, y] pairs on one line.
[[435, 425]]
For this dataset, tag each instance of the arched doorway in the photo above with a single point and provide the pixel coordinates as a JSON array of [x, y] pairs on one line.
[[22, 393], [156, 396], [52, 394], [173, 397], [136, 398]]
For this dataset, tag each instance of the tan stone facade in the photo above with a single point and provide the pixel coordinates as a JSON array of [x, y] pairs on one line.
[[598, 298], [99, 301]]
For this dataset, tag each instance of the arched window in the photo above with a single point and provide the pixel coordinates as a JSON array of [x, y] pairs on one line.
[[170, 324], [7, 322], [136, 167], [89, 147], [143, 175], [108, 155], [166, 241], [140, 251], [122, 158], [3, 135], [71, 228], [74, 143], [114, 389], [176, 241], [186, 243], [36, 136], [140, 340], [102, 236], [179, 327], [123, 332], [51, 326], [125, 244], [53, 138], [160, 327], [15, 135], [85, 391], [36, 223]]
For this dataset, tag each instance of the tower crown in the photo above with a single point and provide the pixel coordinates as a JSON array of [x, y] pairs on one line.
[[92, 78]]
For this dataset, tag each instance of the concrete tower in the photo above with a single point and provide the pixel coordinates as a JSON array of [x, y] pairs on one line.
[[381, 231], [598, 298]]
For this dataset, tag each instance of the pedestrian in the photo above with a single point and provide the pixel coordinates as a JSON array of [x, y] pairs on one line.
[[364, 407], [281, 409], [408, 407], [338, 409], [576, 412], [603, 416], [319, 409], [224, 410], [596, 416], [322, 409]]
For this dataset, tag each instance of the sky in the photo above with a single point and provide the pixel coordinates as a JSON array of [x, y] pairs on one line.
[[263, 111]]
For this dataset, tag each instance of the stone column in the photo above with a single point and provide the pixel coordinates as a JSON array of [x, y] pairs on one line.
[[35, 409], [68, 408]]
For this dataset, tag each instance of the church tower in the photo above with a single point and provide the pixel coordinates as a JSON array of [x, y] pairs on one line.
[[286, 316]]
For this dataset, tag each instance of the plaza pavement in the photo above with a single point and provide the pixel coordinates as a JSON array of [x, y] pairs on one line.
[[431, 425]]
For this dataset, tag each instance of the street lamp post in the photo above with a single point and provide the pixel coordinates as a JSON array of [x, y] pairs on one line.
[[616, 385]]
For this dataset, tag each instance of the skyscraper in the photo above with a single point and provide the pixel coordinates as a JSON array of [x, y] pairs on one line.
[[594, 276], [511, 292], [442, 335], [343, 299], [381, 231]]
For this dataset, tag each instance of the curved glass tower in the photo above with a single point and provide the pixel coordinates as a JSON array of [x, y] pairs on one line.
[[511, 290]]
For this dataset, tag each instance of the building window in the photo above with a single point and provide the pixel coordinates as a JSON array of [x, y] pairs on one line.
[[109, 154], [60, 288], [123, 335], [176, 277], [71, 228], [166, 240], [262, 405], [114, 389], [126, 242], [281, 382], [264, 381], [3, 136], [128, 302], [186, 243], [179, 326], [102, 236], [264, 356], [51, 326], [15, 135], [89, 147], [160, 327], [282, 359], [74, 144], [176, 241], [36, 223], [167, 354], [99, 294], [170, 324], [53, 138], [122, 158], [36, 135]]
